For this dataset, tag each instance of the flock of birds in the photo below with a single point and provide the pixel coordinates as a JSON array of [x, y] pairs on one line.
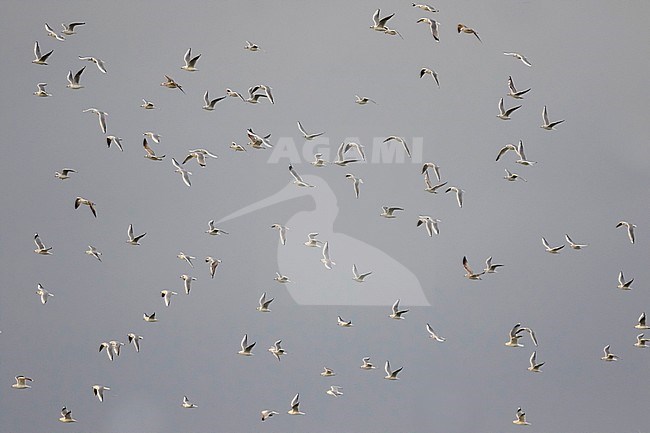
[[347, 154]]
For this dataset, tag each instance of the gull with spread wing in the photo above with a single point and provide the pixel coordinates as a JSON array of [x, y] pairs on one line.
[[433, 335], [356, 276], [396, 313], [297, 179], [548, 125], [513, 92], [469, 273], [190, 62], [326, 256], [307, 135], [96, 61], [40, 59], [40, 246]]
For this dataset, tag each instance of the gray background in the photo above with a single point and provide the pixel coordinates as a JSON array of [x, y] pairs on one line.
[[589, 67]]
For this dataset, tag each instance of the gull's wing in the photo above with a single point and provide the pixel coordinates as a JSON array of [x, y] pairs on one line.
[[515, 330], [520, 150], [340, 151], [429, 225], [77, 76], [545, 243], [118, 143], [466, 265], [375, 17], [46, 55], [511, 110], [269, 95], [244, 342], [532, 335], [147, 148], [252, 90], [383, 21], [511, 85], [38, 242], [213, 103], [406, 148], [387, 368], [71, 26], [100, 65], [176, 164], [434, 30], [102, 118], [326, 251], [395, 307], [504, 149], [302, 129], [203, 151], [545, 115], [502, 110], [360, 150], [459, 197], [188, 56], [189, 156], [435, 77], [295, 175], [525, 60], [194, 60]]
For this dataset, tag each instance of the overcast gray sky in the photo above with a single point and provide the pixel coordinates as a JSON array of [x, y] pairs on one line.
[[589, 67]]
